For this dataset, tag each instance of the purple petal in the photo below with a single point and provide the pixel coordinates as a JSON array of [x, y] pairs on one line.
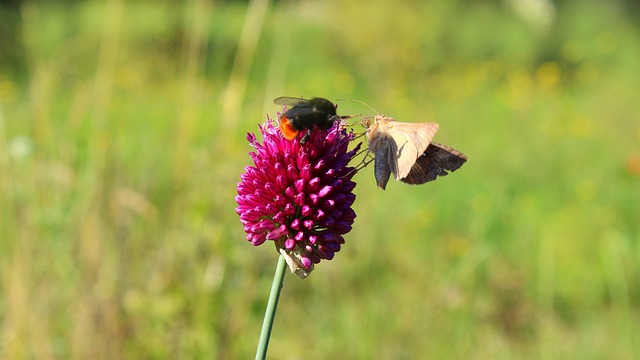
[[306, 211], [313, 185], [319, 215], [258, 239], [289, 243], [306, 262], [308, 224], [292, 172], [325, 191], [305, 172], [299, 199], [299, 185], [289, 210], [313, 239], [280, 217], [290, 192], [281, 181]]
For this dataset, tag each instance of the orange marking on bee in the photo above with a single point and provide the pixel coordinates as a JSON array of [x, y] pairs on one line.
[[287, 129]]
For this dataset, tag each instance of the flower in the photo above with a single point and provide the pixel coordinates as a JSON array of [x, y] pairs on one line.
[[299, 195]]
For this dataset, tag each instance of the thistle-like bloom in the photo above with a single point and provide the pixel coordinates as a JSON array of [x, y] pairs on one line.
[[299, 195]]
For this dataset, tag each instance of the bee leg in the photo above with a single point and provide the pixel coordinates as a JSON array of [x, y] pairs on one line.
[[306, 136]]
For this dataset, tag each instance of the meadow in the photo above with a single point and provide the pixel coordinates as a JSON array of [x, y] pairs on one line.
[[123, 135]]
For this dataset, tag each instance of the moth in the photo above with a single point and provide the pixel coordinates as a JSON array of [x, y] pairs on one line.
[[406, 150]]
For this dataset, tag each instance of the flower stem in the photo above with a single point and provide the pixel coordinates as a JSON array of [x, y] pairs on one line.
[[270, 314]]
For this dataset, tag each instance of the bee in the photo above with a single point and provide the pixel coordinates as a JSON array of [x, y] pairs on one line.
[[304, 114]]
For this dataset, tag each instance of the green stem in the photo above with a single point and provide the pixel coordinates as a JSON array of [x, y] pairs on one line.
[[270, 314]]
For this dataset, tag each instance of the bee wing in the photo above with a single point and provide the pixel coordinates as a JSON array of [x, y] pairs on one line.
[[411, 140], [290, 101], [437, 160]]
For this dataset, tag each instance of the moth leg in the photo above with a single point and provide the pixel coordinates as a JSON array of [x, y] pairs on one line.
[[366, 160]]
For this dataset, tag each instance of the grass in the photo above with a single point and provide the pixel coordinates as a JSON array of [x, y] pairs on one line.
[[122, 139]]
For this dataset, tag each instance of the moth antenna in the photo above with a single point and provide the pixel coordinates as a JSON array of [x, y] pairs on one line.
[[361, 102]]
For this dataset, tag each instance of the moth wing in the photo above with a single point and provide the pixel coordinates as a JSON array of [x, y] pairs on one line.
[[437, 160], [411, 140]]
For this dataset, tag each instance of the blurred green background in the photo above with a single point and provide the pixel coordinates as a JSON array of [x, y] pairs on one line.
[[122, 138]]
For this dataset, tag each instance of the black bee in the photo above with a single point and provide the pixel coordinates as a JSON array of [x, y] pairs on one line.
[[304, 114]]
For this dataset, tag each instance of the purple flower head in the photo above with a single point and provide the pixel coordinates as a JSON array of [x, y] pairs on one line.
[[299, 195]]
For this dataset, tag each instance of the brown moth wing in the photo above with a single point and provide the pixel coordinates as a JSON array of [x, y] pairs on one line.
[[436, 161], [412, 140], [397, 146]]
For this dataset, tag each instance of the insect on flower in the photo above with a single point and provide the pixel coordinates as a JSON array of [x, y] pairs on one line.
[[299, 197], [304, 114], [406, 150]]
